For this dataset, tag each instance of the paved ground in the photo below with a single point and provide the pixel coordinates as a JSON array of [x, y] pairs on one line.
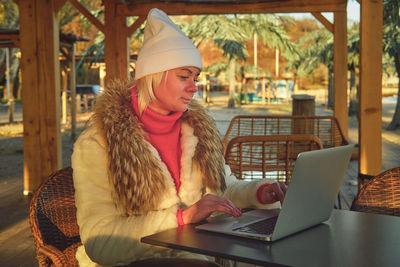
[[16, 244]]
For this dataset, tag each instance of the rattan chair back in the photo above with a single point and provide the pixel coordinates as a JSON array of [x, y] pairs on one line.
[[380, 195], [269, 156], [53, 220], [326, 128]]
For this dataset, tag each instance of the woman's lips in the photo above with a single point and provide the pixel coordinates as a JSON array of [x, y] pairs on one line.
[[186, 100]]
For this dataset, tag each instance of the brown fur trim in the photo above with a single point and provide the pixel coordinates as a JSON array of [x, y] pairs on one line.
[[138, 181], [208, 154]]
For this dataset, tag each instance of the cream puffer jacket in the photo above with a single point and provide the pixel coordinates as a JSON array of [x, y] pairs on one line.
[[123, 190]]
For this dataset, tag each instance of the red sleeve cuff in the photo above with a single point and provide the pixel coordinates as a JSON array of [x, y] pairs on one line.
[[259, 192], [179, 217]]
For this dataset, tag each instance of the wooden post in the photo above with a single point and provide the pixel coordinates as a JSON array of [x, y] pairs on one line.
[[40, 67], [11, 110], [102, 75], [263, 91], [72, 90], [207, 81], [116, 43], [78, 103], [85, 102], [208, 87], [340, 70], [64, 96], [287, 91], [370, 98]]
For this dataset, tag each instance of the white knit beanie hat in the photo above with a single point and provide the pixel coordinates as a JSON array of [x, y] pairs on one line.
[[165, 47]]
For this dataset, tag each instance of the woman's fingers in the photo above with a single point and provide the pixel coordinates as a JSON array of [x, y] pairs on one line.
[[208, 204], [274, 192], [283, 187], [223, 205], [279, 191]]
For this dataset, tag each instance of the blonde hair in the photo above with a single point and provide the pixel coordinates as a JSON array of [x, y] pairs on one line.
[[145, 89]]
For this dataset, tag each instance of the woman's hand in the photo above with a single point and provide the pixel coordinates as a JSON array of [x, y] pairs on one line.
[[205, 206], [273, 193]]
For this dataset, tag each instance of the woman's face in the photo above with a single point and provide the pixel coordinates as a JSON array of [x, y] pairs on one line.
[[176, 92]]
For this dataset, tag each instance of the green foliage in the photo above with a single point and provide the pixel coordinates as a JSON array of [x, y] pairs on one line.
[[94, 53], [391, 47], [231, 49], [270, 29], [312, 49], [213, 27], [8, 14], [68, 13], [216, 68], [391, 37], [255, 71], [353, 48]]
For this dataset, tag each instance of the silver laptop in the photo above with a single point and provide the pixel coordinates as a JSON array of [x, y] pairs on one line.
[[309, 200]]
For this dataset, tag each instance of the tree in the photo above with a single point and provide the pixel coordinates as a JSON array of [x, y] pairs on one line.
[[353, 64], [315, 48], [391, 46], [231, 33], [9, 20], [227, 34]]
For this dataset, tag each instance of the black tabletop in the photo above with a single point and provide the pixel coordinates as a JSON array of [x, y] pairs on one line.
[[347, 239]]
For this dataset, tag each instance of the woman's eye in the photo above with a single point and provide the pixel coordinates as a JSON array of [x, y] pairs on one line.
[[184, 77]]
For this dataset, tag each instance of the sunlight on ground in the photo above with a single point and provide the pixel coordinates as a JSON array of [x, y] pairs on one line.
[[11, 130]]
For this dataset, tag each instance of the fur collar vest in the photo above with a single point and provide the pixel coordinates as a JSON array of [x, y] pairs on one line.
[[134, 171]]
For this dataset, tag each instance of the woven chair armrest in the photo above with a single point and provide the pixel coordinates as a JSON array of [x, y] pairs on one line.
[[55, 255]]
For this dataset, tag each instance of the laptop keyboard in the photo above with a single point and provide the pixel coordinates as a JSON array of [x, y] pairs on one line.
[[264, 227]]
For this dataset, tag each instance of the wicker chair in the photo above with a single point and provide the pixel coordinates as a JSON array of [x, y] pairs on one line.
[[380, 195], [53, 221], [56, 232], [326, 128], [269, 156]]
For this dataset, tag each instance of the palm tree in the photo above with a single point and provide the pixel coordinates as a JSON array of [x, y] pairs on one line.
[[315, 48], [9, 20], [227, 34], [231, 33], [391, 47], [353, 63]]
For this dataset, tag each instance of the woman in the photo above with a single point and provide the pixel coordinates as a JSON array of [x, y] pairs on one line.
[[152, 158]]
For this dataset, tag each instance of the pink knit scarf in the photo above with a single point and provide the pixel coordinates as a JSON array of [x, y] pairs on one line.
[[163, 132]]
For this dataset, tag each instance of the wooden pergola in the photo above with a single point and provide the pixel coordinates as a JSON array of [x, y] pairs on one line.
[[39, 44]]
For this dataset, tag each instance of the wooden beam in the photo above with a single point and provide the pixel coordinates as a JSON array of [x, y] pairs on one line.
[[88, 15], [340, 70], [328, 25], [72, 89], [58, 4], [370, 102], [12, 36], [40, 70], [116, 44], [135, 25], [226, 7]]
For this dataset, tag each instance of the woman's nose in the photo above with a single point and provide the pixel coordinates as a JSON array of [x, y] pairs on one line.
[[193, 87]]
